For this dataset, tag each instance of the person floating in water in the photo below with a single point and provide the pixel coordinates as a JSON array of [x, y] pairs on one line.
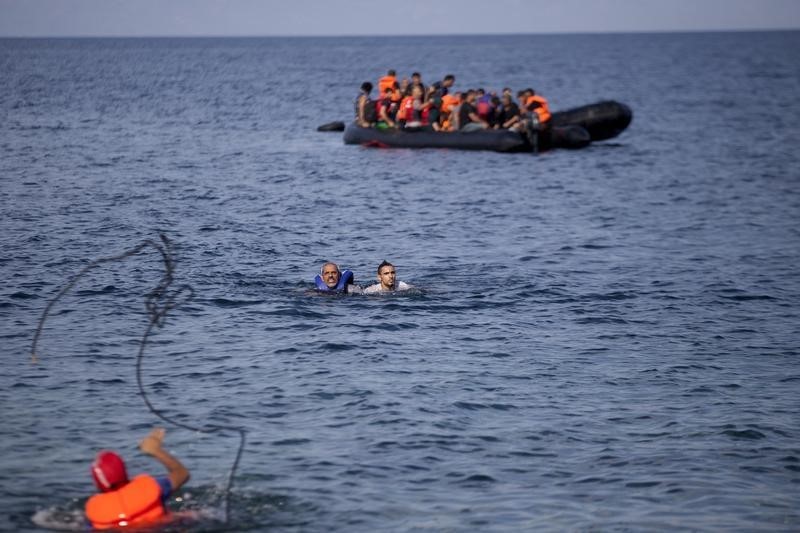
[[142, 500], [387, 276], [331, 279]]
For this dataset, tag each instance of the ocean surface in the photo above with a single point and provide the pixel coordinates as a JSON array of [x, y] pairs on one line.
[[601, 340]]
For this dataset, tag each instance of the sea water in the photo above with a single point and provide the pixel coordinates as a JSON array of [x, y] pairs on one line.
[[604, 339]]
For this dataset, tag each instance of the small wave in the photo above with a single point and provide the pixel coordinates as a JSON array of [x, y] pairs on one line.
[[290, 442], [477, 406], [597, 479], [336, 347], [746, 434], [591, 246], [22, 296], [60, 519], [477, 479], [113, 381], [291, 312], [748, 297], [108, 289], [225, 302], [601, 320], [642, 484]]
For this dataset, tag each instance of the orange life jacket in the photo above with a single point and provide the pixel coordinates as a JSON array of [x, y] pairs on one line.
[[137, 502], [385, 83], [448, 101], [543, 110]]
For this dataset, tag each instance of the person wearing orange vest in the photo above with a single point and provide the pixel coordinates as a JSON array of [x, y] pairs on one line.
[[140, 501], [387, 81], [536, 103], [450, 103]]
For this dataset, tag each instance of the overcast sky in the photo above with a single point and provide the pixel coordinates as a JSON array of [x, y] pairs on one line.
[[384, 17]]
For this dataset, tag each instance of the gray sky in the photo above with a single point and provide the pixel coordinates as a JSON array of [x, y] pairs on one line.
[[384, 17]]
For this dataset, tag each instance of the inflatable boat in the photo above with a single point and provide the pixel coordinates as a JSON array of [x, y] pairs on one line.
[[573, 128]]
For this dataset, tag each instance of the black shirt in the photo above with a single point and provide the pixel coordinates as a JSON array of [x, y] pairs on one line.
[[510, 111], [464, 113]]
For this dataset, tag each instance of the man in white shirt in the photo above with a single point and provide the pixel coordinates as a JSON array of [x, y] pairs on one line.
[[387, 276]]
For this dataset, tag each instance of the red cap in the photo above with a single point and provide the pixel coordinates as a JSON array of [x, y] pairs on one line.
[[108, 471]]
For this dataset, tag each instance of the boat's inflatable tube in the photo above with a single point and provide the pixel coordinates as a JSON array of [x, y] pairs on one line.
[[603, 120], [332, 126], [574, 128], [497, 140], [572, 137]]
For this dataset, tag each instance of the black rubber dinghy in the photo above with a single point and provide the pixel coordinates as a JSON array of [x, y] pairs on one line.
[[574, 128]]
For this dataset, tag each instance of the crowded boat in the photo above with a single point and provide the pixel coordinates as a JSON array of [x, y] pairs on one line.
[[408, 104]]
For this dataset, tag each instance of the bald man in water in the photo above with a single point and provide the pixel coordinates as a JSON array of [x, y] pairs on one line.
[[331, 279]]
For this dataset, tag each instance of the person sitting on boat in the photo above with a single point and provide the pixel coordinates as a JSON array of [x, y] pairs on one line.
[[537, 106], [449, 111], [386, 110], [522, 98], [495, 111], [483, 104], [331, 279], [406, 103], [387, 281], [468, 119], [414, 108], [416, 79], [442, 87], [397, 95], [508, 118], [365, 107], [434, 108], [403, 88], [137, 502], [387, 81]]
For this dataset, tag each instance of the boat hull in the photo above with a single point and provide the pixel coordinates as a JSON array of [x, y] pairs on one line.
[[571, 129], [603, 120]]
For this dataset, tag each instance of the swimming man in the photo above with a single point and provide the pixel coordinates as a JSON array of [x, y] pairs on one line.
[[387, 276], [142, 500], [330, 279]]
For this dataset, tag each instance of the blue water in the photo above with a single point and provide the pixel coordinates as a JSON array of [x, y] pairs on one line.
[[605, 339]]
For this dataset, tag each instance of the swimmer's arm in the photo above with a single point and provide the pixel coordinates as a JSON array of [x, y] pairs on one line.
[[151, 445], [354, 289]]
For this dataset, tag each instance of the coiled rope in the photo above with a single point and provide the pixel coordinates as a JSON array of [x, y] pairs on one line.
[[158, 302]]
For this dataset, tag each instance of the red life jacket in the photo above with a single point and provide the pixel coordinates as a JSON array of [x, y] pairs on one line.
[[406, 110], [425, 116], [483, 108], [137, 502]]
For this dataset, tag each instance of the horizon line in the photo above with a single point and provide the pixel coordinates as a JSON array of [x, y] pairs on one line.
[[401, 35]]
